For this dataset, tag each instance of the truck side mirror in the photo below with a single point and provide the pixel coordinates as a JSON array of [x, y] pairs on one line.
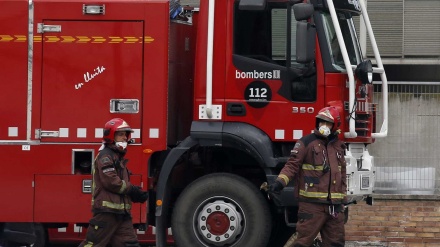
[[305, 42], [364, 72], [252, 5], [305, 33], [303, 11]]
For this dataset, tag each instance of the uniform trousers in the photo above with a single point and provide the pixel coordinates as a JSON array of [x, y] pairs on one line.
[[110, 229], [314, 218]]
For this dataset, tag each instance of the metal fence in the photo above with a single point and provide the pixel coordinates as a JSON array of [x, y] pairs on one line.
[[408, 160]]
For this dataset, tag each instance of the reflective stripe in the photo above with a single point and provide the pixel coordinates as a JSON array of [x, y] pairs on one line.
[[79, 39], [124, 185], [93, 180], [89, 244], [321, 195], [115, 206], [310, 167], [285, 178], [108, 170]]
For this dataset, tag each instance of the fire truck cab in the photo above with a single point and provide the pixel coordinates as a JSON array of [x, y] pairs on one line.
[[263, 69], [217, 97]]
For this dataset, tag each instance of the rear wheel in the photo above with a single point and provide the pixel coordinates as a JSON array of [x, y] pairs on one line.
[[221, 210]]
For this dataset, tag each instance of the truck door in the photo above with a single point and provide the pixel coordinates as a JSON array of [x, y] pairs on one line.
[[91, 72]]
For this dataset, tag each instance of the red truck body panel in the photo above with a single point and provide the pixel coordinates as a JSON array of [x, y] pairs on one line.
[[14, 28], [75, 74]]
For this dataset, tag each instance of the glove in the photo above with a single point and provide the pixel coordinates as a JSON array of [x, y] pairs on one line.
[[274, 190], [275, 187], [137, 195]]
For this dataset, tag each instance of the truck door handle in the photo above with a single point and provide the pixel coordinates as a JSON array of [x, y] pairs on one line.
[[87, 186], [235, 109], [46, 133]]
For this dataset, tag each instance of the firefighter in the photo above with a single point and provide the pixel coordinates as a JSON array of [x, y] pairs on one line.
[[317, 165], [113, 193]]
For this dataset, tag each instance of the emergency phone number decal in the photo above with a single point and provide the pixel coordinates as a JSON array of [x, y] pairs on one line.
[[258, 94]]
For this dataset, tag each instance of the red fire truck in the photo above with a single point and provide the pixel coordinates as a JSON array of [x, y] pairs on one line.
[[217, 96]]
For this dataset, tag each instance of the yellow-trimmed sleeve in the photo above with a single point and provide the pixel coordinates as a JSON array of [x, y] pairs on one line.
[[284, 178]]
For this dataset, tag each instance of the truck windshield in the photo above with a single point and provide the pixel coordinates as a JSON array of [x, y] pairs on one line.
[[350, 39]]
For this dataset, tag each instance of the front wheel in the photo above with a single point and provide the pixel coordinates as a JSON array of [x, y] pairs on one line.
[[221, 210]]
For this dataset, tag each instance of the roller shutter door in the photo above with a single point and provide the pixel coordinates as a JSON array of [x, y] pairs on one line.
[[405, 28]]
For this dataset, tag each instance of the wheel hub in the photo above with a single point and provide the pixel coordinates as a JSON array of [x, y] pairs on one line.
[[219, 222]]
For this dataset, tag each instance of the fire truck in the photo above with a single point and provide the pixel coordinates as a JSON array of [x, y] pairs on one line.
[[217, 97]]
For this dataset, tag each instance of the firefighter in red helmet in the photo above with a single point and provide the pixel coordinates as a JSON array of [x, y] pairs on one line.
[[318, 167], [113, 193]]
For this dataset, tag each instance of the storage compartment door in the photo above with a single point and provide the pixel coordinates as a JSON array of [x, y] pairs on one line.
[[91, 72], [67, 198]]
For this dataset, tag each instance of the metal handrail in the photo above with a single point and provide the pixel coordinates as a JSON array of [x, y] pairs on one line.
[[384, 129], [351, 85], [350, 68], [209, 58]]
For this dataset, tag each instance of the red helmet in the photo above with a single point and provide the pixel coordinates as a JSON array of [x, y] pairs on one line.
[[329, 114], [115, 124]]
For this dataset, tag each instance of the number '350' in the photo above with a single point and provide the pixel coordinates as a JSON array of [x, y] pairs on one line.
[[303, 109]]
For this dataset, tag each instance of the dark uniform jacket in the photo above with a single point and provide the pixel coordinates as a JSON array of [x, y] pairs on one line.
[[319, 168], [111, 182]]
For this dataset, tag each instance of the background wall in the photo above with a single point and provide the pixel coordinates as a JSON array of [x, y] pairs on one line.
[[401, 221], [407, 161]]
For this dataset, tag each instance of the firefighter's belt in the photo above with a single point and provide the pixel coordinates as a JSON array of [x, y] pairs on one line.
[[321, 195], [115, 205]]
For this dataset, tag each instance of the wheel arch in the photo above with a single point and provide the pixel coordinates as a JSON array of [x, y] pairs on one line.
[[240, 136]]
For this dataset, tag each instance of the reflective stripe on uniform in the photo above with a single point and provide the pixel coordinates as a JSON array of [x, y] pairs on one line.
[[285, 178], [123, 187], [115, 205], [310, 167], [89, 244], [93, 181], [321, 195]]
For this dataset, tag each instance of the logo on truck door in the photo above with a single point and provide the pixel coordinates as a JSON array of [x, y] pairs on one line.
[[88, 76], [275, 74], [258, 94]]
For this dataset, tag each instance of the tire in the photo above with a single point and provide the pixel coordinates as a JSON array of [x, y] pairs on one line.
[[221, 209]]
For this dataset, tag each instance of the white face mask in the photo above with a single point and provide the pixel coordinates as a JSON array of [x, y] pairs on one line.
[[324, 130], [122, 145]]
